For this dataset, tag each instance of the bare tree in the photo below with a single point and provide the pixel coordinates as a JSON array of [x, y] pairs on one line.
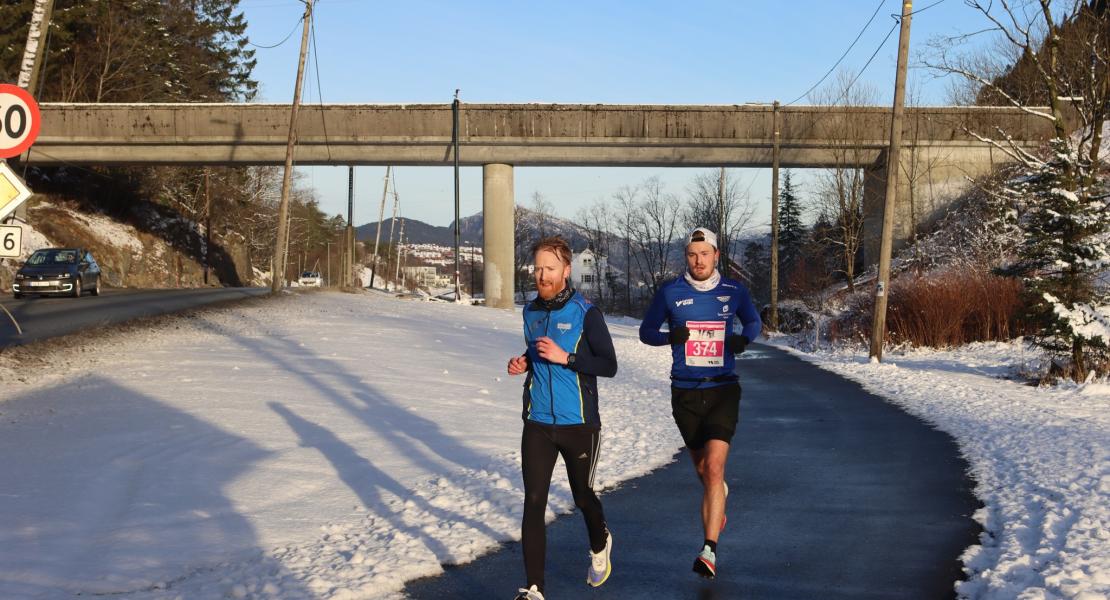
[[597, 220], [625, 213], [654, 226], [839, 190], [542, 210], [706, 208]]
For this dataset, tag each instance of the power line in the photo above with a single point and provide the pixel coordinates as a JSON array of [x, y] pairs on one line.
[[291, 32], [921, 10], [842, 56], [320, 88], [848, 88]]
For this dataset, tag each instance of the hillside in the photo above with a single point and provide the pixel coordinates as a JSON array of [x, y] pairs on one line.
[[471, 230], [151, 251]]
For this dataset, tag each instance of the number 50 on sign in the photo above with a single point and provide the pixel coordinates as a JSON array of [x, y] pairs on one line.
[[11, 241], [19, 120]]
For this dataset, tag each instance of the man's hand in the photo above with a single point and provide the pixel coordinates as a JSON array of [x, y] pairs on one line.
[[679, 335], [551, 351], [736, 344], [518, 365]]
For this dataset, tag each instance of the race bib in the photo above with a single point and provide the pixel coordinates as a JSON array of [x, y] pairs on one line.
[[706, 346]]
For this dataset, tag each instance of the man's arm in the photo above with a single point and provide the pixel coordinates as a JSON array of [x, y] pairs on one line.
[[602, 360], [653, 320], [749, 317]]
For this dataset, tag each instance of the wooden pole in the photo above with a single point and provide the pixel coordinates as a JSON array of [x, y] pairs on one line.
[[775, 218], [282, 240], [882, 287], [378, 237]]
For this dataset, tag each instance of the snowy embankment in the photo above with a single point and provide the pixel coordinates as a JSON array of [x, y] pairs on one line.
[[322, 445], [1040, 458]]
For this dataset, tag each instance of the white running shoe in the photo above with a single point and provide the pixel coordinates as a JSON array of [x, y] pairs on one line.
[[600, 565], [532, 593], [706, 563]]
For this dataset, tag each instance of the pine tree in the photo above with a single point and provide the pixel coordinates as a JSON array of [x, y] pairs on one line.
[[1063, 215], [792, 232]]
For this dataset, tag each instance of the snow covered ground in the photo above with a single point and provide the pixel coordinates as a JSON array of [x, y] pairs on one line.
[[321, 445], [1040, 457]]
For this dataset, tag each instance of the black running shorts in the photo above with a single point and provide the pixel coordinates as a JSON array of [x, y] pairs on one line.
[[704, 414]]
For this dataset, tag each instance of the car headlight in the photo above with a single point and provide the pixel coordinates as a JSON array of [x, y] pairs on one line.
[[64, 276], [19, 275]]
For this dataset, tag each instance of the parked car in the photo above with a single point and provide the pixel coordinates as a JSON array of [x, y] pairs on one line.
[[58, 272], [311, 278]]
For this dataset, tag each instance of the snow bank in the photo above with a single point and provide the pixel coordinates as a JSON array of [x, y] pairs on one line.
[[109, 231], [1040, 457], [320, 445]]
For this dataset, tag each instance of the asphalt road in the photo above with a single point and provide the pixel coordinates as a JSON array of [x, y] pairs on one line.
[[835, 494], [47, 317]]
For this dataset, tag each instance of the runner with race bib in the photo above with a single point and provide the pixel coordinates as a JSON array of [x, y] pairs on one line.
[[700, 310]]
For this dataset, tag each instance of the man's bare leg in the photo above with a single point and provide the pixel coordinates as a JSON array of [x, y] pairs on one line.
[[710, 465]]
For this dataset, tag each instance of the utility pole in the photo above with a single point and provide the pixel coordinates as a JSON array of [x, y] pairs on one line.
[[627, 260], [455, 152], [349, 252], [33, 57], [287, 177], [378, 237], [207, 226], [721, 214], [329, 264], [775, 218], [882, 287], [392, 224], [400, 245]]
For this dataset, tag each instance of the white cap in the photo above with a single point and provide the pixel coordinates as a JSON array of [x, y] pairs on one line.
[[702, 234]]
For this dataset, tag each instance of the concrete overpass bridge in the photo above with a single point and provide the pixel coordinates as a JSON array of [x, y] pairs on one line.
[[941, 152]]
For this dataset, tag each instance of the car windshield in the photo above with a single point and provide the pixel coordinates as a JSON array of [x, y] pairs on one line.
[[308, 274], [43, 258]]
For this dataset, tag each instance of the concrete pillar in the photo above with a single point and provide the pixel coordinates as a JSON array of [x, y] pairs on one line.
[[497, 224], [932, 179]]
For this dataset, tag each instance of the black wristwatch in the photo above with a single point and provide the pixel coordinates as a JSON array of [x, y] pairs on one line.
[[570, 359]]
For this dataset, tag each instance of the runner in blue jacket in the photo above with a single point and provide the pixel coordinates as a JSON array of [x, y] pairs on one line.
[[700, 309], [568, 349]]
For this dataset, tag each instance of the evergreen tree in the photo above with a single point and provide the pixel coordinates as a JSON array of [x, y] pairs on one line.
[[757, 271], [792, 232], [135, 50], [1064, 221]]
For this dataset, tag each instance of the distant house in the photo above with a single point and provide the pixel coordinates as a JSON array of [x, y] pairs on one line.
[[586, 266]]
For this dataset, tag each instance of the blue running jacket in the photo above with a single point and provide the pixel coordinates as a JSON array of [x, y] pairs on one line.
[[703, 361], [557, 394]]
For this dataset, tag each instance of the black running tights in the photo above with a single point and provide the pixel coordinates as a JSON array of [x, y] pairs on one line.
[[539, 447]]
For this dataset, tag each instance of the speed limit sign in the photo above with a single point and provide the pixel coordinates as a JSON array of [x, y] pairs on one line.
[[11, 241], [19, 120]]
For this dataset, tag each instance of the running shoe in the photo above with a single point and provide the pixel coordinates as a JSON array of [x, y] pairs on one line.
[[706, 563], [532, 593], [600, 566]]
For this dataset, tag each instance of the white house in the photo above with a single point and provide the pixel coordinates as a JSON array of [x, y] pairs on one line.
[[585, 267]]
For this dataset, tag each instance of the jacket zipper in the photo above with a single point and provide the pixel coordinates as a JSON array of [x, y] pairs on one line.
[[550, 383]]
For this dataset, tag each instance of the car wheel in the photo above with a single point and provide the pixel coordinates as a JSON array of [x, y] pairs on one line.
[[77, 287], [17, 295], [96, 288]]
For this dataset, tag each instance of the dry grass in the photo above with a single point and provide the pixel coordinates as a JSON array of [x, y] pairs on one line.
[[942, 309]]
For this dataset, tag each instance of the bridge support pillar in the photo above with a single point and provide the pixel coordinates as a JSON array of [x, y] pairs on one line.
[[498, 244], [930, 181]]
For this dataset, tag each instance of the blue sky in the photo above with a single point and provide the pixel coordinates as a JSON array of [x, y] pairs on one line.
[[574, 52]]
